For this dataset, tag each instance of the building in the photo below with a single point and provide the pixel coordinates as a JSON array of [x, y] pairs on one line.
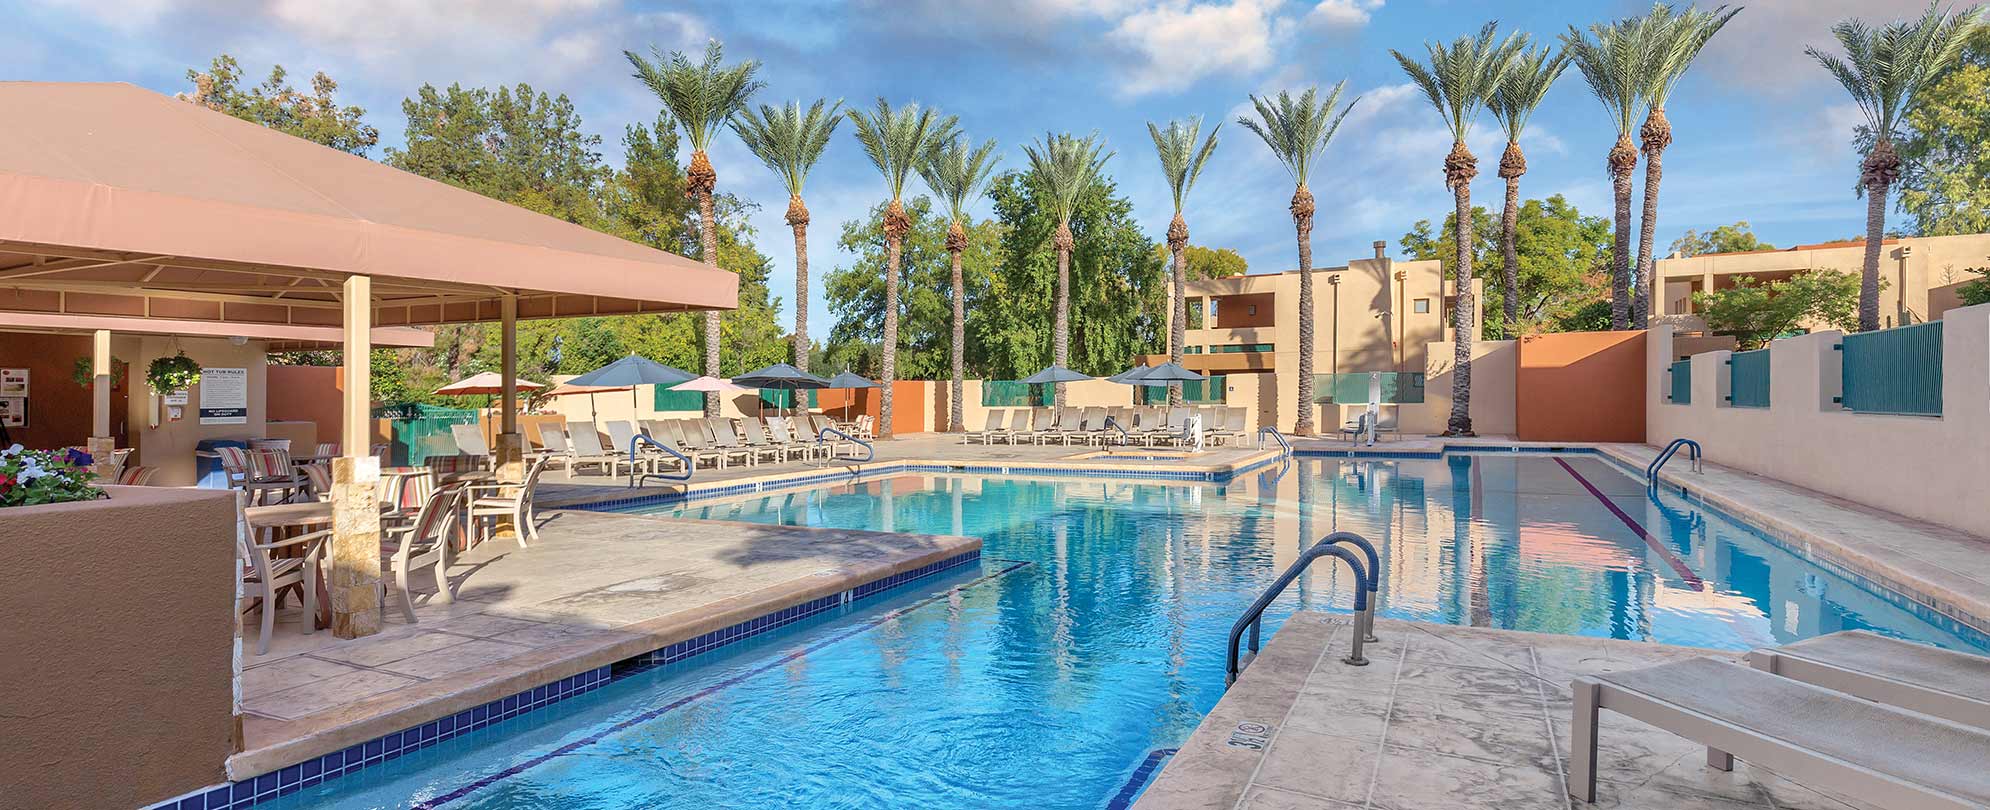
[[1375, 314], [1921, 274]]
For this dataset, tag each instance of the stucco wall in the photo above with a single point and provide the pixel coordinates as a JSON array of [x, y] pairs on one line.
[[1493, 367], [1930, 468], [58, 408], [170, 446], [118, 643], [308, 394], [1581, 387]]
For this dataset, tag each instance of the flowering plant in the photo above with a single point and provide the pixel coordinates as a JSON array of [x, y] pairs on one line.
[[176, 373], [32, 477]]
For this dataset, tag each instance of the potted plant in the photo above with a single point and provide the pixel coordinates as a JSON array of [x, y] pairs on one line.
[[84, 376], [36, 477], [176, 373]]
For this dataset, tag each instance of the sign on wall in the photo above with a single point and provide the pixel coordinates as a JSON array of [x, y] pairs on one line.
[[224, 396], [13, 382], [14, 411]]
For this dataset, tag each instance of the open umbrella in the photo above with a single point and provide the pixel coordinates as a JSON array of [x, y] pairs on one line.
[[848, 380], [1132, 376], [712, 384], [631, 371], [781, 377], [1055, 374], [488, 383]]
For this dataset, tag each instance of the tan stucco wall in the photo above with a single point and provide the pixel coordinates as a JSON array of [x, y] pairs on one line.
[[1494, 364], [1911, 268], [1582, 387], [169, 447], [116, 682], [1930, 468]]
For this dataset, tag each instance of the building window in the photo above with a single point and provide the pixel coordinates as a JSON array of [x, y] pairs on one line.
[[1420, 306], [1191, 350], [1240, 348]]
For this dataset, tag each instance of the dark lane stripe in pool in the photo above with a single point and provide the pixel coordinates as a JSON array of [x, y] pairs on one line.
[[1671, 559]]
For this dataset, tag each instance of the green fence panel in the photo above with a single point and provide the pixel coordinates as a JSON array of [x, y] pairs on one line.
[[1682, 383], [1352, 387], [1748, 379], [781, 398], [1013, 394], [669, 400], [1894, 370], [421, 431], [1201, 392]]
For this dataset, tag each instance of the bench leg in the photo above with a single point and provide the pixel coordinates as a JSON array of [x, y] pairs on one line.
[[1582, 740], [1720, 760]]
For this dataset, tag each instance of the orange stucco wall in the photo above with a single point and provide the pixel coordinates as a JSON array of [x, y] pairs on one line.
[[1581, 387], [308, 394], [58, 408], [910, 400], [1234, 311]]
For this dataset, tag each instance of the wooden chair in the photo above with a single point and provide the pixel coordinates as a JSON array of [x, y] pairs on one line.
[[420, 543], [495, 500], [264, 575]]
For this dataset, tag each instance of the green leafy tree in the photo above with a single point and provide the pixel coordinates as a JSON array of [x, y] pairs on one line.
[[1611, 57], [1065, 165], [1887, 70], [701, 97], [1297, 131], [1181, 162], [1945, 173], [1559, 256], [1756, 313], [515, 144], [1206, 262], [1736, 238], [958, 173], [1673, 40], [316, 116], [1975, 291], [790, 141], [1591, 317], [896, 140], [1458, 81], [855, 292]]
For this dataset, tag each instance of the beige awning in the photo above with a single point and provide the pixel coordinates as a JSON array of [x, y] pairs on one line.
[[280, 337], [121, 201]]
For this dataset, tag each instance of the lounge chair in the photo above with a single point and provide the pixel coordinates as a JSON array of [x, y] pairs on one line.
[[778, 431], [754, 431], [697, 437], [552, 445], [837, 444], [1918, 677], [638, 456], [864, 428], [726, 438], [505, 500], [1019, 427], [421, 543], [993, 425], [1070, 424], [1041, 420], [1093, 429], [587, 449], [1817, 737], [470, 441]]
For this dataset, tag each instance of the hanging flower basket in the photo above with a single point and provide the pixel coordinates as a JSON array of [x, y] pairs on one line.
[[176, 373], [83, 376]]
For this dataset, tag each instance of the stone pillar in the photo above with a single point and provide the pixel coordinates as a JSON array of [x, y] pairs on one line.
[[354, 578], [100, 443]]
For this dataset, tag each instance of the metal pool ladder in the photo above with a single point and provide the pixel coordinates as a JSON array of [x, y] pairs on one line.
[[1366, 585], [1285, 447], [869, 451], [635, 479], [1692, 455]]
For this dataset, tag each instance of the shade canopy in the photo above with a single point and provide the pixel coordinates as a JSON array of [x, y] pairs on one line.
[[1131, 376], [1055, 374], [125, 202], [712, 384], [488, 383], [848, 380], [277, 337], [1166, 373], [781, 376], [632, 370]]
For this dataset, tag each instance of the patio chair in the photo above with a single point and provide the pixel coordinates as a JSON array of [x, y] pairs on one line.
[[1817, 737], [1092, 429], [865, 427], [586, 444], [778, 430], [754, 431], [318, 477], [692, 440], [137, 476], [552, 445], [267, 474], [264, 575], [727, 439], [1238, 422], [326, 450], [420, 543], [1019, 427], [499, 499], [643, 458], [1947, 684], [992, 426], [1043, 422], [118, 458], [1067, 423]]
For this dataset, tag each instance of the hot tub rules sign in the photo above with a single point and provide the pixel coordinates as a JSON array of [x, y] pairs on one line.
[[224, 396]]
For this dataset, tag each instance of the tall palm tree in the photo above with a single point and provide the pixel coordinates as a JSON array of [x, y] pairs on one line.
[[1676, 38], [1298, 130], [895, 140], [789, 141], [1612, 62], [1458, 81], [1181, 162], [1512, 104], [1066, 165], [958, 174], [1884, 69], [701, 97]]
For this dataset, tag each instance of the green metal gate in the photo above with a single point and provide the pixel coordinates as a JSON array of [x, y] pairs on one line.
[[1894, 370], [420, 431]]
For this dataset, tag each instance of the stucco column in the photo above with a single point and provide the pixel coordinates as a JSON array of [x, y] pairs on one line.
[[101, 442], [508, 451], [353, 582]]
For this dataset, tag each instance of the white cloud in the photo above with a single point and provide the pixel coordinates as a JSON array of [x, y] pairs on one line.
[[1762, 48], [1342, 14], [391, 34], [1176, 44]]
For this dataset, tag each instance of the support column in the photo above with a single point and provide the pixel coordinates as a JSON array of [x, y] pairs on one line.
[[354, 579], [101, 442], [509, 449]]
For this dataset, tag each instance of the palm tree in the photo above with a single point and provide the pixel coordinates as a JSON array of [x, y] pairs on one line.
[[1613, 64], [958, 174], [701, 97], [1512, 104], [789, 141], [1459, 80], [895, 140], [1675, 40], [1298, 130], [1884, 69], [1181, 161], [1066, 165]]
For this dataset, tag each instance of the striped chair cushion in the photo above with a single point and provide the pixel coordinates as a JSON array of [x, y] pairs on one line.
[[446, 465], [320, 476], [269, 464], [233, 459], [136, 476]]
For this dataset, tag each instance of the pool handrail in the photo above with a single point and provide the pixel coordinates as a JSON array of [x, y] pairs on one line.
[[1365, 620], [635, 478], [1692, 455], [1285, 447], [869, 451], [1254, 615], [1115, 425]]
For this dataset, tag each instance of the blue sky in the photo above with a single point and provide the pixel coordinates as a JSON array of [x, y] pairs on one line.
[[1761, 133]]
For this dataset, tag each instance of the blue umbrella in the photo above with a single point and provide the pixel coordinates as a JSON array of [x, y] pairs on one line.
[[631, 371], [848, 380], [1166, 373], [781, 377], [1055, 374], [1130, 375]]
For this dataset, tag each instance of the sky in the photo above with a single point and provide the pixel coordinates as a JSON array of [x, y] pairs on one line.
[[1761, 132]]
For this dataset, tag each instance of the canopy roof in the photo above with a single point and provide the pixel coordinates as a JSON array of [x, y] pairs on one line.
[[122, 201], [280, 337]]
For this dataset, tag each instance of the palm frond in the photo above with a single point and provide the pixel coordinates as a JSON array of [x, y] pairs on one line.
[[1181, 159], [1611, 58], [958, 172], [1884, 68], [897, 139], [1298, 130], [1677, 40], [1463, 76], [1526, 85], [1067, 165], [700, 96], [788, 139]]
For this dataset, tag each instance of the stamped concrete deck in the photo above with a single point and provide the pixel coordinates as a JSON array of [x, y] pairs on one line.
[[1442, 717], [596, 588]]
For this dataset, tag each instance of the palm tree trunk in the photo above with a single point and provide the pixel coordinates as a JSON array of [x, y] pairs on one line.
[[955, 400], [1178, 325], [1060, 341], [708, 242], [1869, 274], [1459, 168], [1623, 159], [799, 221], [892, 247], [1509, 253], [1302, 224], [1657, 134]]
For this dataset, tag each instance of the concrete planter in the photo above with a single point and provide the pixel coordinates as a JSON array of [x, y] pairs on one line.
[[118, 640]]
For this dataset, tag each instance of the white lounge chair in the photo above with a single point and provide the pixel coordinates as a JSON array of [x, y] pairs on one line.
[[837, 444], [993, 425], [728, 439], [802, 443], [1820, 738], [1930, 680], [698, 436], [645, 458], [470, 441], [587, 449]]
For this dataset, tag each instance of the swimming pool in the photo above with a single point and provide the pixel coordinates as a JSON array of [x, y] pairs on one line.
[[1088, 644]]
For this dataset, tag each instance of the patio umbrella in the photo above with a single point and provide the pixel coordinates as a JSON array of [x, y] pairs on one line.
[[1055, 374], [1166, 373], [848, 380], [489, 384], [781, 377], [1132, 377], [712, 384], [631, 371]]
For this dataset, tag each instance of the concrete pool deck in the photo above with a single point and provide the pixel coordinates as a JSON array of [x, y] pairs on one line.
[[1443, 716]]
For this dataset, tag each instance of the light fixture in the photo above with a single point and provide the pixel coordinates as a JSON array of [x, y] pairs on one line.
[[237, 340]]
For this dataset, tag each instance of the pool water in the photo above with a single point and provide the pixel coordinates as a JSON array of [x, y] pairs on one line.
[[1089, 643]]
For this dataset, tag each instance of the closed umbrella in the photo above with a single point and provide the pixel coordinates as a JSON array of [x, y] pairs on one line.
[[632, 371]]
